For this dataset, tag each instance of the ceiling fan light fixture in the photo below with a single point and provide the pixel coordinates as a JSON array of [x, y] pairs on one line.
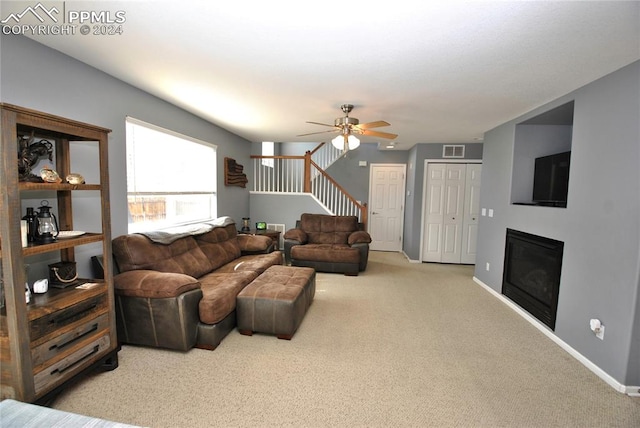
[[353, 142], [346, 142], [347, 126]]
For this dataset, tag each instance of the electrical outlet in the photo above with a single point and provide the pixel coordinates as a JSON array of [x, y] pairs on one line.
[[488, 266], [600, 333]]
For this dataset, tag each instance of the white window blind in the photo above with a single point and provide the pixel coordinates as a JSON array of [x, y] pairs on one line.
[[171, 178]]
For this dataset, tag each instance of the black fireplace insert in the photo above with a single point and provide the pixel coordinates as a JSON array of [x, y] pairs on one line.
[[531, 278]]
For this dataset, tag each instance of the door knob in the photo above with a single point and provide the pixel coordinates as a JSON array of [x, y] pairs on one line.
[[373, 213]]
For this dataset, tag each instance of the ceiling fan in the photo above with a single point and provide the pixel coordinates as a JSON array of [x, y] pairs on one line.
[[347, 126]]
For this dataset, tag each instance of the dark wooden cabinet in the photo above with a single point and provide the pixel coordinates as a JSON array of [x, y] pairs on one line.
[[58, 335]]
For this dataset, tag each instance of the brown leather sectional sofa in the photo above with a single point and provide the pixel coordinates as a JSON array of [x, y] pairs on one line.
[[178, 291], [328, 243]]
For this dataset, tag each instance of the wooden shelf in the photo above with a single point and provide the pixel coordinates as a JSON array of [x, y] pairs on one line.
[[57, 187], [61, 298], [60, 244], [65, 332]]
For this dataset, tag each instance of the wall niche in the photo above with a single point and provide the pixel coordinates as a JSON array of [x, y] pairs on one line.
[[536, 139]]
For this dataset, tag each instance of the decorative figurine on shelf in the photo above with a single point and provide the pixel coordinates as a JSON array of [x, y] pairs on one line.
[[49, 175], [245, 225], [75, 178], [28, 155]]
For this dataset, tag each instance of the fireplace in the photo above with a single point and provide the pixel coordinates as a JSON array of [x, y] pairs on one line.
[[531, 277]]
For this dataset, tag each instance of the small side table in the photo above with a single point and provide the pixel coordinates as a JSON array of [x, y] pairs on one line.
[[271, 233]]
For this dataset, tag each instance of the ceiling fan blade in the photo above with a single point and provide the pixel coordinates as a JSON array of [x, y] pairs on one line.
[[323, 124], [378, 134], [375, 124], [321, 132]]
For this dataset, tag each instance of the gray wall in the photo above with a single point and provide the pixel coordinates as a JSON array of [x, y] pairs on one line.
[[355, 178], [600, 226], [282, 208], [40, 78]]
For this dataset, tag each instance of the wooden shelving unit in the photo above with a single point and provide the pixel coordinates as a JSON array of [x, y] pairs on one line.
[[64, 333]]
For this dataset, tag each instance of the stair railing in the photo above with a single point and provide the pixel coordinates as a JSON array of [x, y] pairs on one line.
[[335, 197], [301, 174]]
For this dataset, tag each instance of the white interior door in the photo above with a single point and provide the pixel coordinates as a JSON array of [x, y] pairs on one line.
[[386, 206], [453, 213], [471, 213], [450, 212], [434, 213]]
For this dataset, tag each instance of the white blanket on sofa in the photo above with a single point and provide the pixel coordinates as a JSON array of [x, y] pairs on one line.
[[167, 236]]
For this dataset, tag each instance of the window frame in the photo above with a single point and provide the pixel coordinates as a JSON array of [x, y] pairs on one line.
[[268, 149], [134, 226]]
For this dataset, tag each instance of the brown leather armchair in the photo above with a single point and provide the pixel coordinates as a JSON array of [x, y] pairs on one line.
[[328, 244]]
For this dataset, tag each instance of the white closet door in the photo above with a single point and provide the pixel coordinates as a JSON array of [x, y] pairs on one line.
[[471, 213], [451, 207], [453, 213], [434, 213]]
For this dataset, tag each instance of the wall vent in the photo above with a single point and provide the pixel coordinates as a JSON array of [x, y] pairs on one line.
[[280, 228], [453, 151]]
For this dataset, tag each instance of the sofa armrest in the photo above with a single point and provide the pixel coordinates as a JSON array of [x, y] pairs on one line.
[[153, 284], [255, 244], [359, 237], [296, 235]]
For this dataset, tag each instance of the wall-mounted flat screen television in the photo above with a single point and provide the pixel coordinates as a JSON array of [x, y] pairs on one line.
[[551, 180]]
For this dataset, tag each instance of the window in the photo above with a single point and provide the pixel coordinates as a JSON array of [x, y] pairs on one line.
[[268, 150], [171, 178]]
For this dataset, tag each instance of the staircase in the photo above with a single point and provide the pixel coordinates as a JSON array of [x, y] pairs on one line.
[[306, 174]]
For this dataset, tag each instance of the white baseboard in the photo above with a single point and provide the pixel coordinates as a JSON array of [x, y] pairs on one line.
[[629, 390], [409, 260]]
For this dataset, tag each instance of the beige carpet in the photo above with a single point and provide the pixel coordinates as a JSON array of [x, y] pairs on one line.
[[402, 344]]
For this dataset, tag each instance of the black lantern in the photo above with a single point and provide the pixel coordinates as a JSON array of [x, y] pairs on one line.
[[47, 230], [245, 225]]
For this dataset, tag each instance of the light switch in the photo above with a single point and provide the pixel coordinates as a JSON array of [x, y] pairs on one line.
[[490, 212], [484, 212]]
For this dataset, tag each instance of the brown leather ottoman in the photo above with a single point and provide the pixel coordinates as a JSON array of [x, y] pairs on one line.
[[276, 301]]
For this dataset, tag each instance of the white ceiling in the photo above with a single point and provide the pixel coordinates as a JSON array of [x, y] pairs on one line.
[[438, 71]]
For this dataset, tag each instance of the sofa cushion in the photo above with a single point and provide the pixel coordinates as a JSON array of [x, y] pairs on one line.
[[153, 284], [330, 253], [220, 245], [254, 243], [328, 229], [219, 291], [136, 251], [257, 263], [359, 237], [296, 235]]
